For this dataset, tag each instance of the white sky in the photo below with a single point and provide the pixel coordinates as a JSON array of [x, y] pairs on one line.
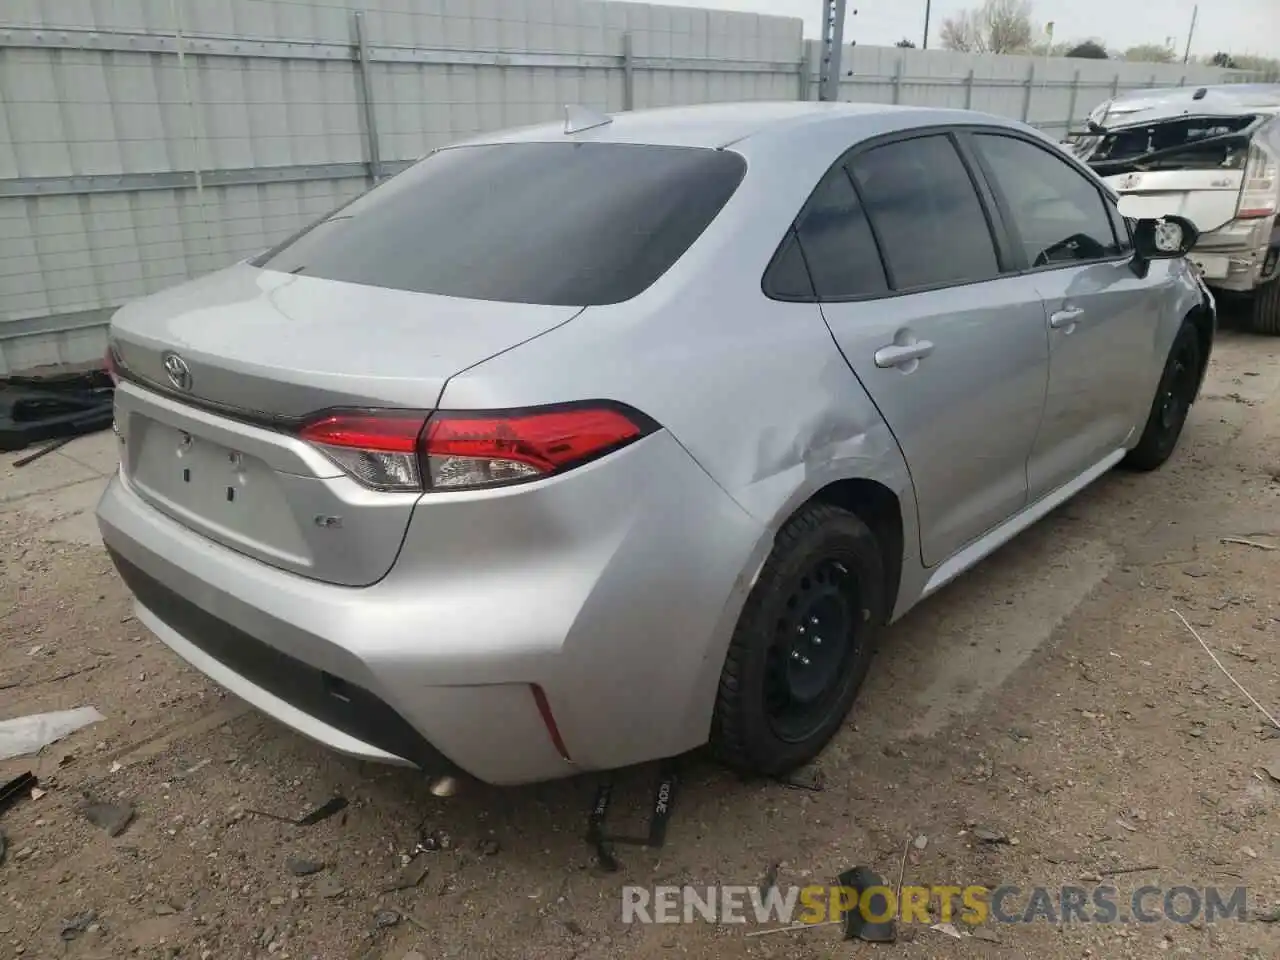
[[1236, 26]]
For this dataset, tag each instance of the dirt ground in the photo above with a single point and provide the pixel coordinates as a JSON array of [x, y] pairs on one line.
[[1050, 696]]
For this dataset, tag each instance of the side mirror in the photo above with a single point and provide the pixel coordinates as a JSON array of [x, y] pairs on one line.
[[1166, 238]]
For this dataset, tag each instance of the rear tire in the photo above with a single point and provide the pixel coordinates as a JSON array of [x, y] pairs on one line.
[[1172, 403], [1264, 314], [803, 644]]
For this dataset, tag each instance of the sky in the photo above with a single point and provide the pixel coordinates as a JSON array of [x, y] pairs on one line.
[[1236, 26]]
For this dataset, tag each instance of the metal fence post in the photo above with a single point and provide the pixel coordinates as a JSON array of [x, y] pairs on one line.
[[1026, 100], [968, 90], [897, 82], [1075, 96], [366, 99], [628, 74]]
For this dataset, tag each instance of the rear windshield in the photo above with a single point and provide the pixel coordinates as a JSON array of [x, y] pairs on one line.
[[574, 224], [1192, 143]]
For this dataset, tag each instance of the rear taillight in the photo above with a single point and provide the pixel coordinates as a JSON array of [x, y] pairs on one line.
[[378, 449], [399, 450], [1258, 193]]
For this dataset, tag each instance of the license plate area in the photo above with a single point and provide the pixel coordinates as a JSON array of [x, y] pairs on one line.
[[1209, 266], [227, 494]]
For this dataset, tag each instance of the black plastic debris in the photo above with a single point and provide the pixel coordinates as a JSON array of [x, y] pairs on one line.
[[34, 410], [17, 789], [111, 817], [663, 797], [856, 924]]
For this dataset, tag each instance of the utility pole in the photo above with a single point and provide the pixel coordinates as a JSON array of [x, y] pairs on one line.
[[928, 8], [1195, 12], [832, 45]]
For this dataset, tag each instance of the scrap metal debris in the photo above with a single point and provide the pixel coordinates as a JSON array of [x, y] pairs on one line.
[[856, 924], [33, 410], [32, 733], [663, 798]]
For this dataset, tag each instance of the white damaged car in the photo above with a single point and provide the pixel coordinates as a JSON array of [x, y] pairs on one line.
[[1209, 154]]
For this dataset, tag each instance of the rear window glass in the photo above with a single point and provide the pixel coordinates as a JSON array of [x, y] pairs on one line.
[[573, 224]]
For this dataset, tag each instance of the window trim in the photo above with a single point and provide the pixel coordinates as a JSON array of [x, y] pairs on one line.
[[1006, 213], [1001, 239]]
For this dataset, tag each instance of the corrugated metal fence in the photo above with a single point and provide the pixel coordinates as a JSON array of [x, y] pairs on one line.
[[146, 141]]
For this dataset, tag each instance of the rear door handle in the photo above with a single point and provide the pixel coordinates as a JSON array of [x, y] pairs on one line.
[[1065, 318], [898, 355]]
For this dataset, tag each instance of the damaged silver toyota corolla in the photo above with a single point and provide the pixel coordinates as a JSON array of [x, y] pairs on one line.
[[1212, 155], [586, 444]]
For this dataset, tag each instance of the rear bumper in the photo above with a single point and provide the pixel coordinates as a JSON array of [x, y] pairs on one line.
[[614, 588]]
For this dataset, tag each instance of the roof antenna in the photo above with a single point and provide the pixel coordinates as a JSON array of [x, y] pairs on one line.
[[577, 119]]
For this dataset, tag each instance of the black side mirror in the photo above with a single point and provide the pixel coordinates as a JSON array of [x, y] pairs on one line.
[[1165, 238]]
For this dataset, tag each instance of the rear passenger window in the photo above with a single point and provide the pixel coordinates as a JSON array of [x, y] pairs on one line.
[[788, 277], [837, 242], [926, 213]]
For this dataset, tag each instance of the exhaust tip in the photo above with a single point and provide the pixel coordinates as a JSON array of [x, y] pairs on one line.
[[444, 787]]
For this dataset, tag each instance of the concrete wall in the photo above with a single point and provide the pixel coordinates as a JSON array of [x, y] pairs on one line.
[[138, 148]]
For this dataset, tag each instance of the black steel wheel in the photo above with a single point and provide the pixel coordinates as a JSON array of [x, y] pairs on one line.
[[803, 644], [1172, 403]]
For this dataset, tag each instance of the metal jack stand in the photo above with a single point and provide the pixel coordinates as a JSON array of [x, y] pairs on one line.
[[664, 795]]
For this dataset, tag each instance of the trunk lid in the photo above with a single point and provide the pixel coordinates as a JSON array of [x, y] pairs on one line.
[[285, 346], [217, 452], [1208, 198]]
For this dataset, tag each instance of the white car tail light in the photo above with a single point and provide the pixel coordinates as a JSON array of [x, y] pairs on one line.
[[408, 451], [1258, 192]]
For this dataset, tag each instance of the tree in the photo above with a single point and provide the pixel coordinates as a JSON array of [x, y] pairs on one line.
[[1223, 60], [1089, 50], [998, 26], [1149, 53], [905, 44]]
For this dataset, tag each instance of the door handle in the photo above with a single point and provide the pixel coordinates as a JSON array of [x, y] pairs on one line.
[[1065, 318], [900, 354]]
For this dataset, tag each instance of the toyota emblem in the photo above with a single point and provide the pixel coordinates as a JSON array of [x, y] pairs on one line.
[[178, 371]]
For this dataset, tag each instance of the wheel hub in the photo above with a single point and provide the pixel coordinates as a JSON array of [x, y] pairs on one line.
[[814, 640], [1177, 395]]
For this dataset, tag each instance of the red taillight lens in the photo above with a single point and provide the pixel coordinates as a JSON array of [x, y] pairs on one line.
[[482, 449], [391, 450], [380, 450]]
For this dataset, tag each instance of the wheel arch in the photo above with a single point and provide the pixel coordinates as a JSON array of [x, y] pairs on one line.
[[880, 509], [1203, 318]]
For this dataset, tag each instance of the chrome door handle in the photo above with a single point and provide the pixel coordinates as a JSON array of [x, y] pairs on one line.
[[1065, 318], [897, 355]]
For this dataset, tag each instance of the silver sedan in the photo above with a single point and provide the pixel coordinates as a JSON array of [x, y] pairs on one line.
[[587, 444]]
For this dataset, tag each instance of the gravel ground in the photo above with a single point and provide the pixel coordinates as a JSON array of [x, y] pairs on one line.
[[1050, 697]]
